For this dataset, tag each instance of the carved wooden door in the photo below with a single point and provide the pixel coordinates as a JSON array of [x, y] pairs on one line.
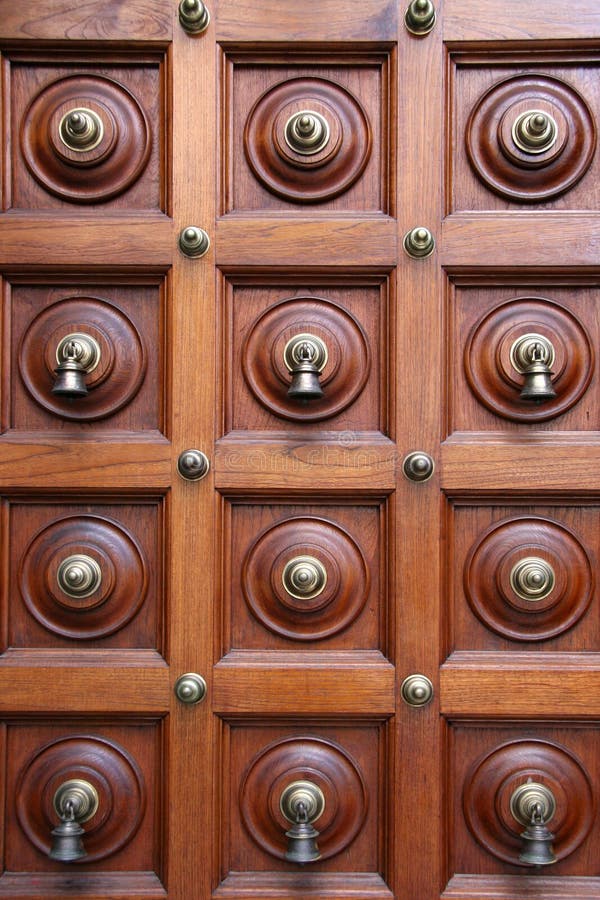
[[299, 452]]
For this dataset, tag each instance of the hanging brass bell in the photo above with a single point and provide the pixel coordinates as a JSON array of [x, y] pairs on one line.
[[70, 373], [305, 357], [538, 384], [67, 845], [537, 841], [302, 839]]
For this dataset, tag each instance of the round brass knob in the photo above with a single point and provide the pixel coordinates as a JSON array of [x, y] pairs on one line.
[[418, 466], [532, 579], [417, 690], [307, 132], [193, 16], [420, 17], [79, 576], [304, 577], [302, 794], [190, 688], [81, 129], [193, 241], [529, 798], [419, 242], [193, 465], [534, 131]]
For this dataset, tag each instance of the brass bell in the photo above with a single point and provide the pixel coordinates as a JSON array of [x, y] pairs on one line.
[[537, 841], [305, 357], [302, 838], [70, 374], [538, 385], [67, 845]]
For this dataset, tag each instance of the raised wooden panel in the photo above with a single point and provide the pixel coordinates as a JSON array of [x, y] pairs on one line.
[[346, 547], [261, 168], [121, 162], [46, 603], [486, 319], [350, 316], [489, 96], [125, 317]]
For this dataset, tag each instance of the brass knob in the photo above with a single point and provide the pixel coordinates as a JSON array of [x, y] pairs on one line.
[[193, 465], [533, 805], [190, 688], [532, 356], [304, 577], [302, 802], [77, 355], [193, 16], [419, 242], [418, 466], [75, 801], [81, 129], [417, 690], [532, 578], [79, 576], [420, 17], [307, 132], [194, 242], [534, 131], [305, 357]]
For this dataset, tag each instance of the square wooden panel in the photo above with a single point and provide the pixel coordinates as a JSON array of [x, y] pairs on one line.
[[487, 763], [122, 103], [486, 317], [123, 765], [126, 318], [51, 547], [305, 576], [487, 95], [522, 577], [350, 91], [343, 760], [350, 316]]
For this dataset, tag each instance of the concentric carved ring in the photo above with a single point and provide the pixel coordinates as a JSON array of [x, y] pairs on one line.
[[107, 767], [345, 371], [528, 579], [85, 138], [495, 376], [112, 382], [83, 577], [531, 137], [318, 761], [490, 786], [307, 139], [305, 579]]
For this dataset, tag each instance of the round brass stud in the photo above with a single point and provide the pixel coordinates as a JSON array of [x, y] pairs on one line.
[[193, 241], [81, 129], [194, 17], [193, 465], [79, 576], [528, 798], [418, 466], [307, 132], [420, 17], [419, 242], [532, 578], [417, 690], [304, 577], [534, 131], [190, 688]]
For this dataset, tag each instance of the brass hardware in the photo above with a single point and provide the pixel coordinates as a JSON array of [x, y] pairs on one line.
[[534, 131], [193, 465], [304, 577], [417, 690], [194, 242], [532, 578], [81, 129], [419, 242], [305, 357], [418, 466], [79, 576], [193, 16], [532, 356], [420, 17], [302, 802], [190, 688], [75, 801], [307, 132], [533, 805], [77, 355]]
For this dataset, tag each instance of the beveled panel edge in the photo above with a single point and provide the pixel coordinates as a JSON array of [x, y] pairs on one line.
[[511, 887]]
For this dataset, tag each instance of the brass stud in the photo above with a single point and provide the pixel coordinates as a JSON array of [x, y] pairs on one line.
[[420, 17], [194, 17], [193, 465], [419, 242], [79, 576], [304, 577], [81, 129], [532, 579], [534, 131], [193, 241], [190, 688], [307, 132], [417, 690], [418, 466]]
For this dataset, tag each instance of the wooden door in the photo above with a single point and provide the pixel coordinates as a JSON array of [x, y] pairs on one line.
[[298, 462]]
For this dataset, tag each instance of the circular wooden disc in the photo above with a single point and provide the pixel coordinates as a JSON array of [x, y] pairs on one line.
[[108, 169], [117, 378], [494, 380], [519, 175], [342, 598], [108, 768], [345, 373], [294, 176], [490, 785], [490, 593], [310, 759], [112, 605]]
